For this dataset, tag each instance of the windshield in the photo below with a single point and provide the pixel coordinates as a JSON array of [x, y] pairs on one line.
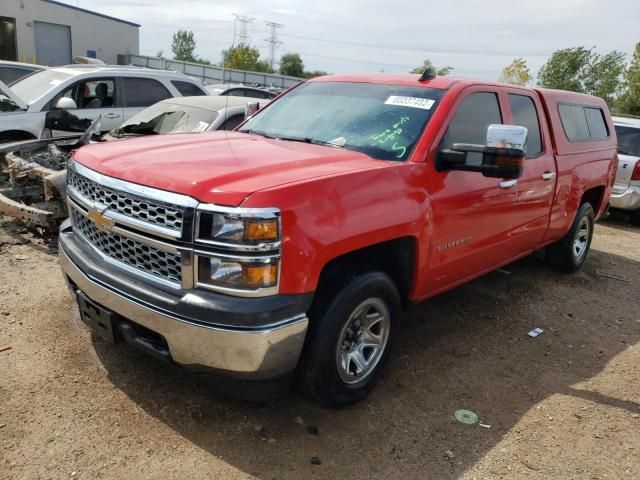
[[163, 118], [383, 121], [32, 87], [628, 140]]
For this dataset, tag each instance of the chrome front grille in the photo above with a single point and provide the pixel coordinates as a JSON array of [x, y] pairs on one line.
[[131, 206], [141, 256]]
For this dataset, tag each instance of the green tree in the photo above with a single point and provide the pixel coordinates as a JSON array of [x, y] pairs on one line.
[[291, 64], [242, 57], [183, 45], [629, 101], [517, 73], [263, 66], [583, 70], [428, 64], [314, 73], [603, 76]]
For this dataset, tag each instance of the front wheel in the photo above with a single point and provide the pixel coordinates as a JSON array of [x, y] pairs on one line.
[[570, 252], [353, 324]]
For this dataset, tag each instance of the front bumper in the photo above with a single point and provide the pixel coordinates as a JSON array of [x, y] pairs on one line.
[[260, 338], [626, 200]]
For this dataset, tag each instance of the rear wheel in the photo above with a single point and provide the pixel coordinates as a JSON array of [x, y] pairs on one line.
[[570, 253], [634, 218], [353, 324]]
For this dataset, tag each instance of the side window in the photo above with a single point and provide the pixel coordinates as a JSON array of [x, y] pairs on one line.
[[187, 89], [470, 122], [142, 92], [574, 122], [525, 114], [595, 121], [232, 122], [94, 93], [628, 140]]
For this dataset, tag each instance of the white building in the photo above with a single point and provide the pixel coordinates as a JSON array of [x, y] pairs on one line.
[[52, 33]]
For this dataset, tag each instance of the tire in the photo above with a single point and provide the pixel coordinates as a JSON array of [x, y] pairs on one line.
[[328, 373], [570, 253], [634, 218]]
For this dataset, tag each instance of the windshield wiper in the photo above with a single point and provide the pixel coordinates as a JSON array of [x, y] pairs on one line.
[[293, 139]]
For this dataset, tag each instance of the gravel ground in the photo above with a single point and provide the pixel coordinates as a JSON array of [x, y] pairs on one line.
[[563, 405]]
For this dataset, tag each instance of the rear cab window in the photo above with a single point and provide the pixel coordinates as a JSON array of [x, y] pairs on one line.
[[582, 122]]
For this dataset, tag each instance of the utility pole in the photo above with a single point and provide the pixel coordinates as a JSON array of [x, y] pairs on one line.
[[273, 40], [241, 30]]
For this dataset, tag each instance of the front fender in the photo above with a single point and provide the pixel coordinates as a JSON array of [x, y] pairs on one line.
[[327, 217]]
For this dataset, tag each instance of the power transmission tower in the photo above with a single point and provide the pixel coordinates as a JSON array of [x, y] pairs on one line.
[[241, 29], [272, 40]]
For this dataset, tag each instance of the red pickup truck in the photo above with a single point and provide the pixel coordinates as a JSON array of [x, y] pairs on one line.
[[287, 249]]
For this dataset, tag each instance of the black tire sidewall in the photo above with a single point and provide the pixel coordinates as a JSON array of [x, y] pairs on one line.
[[585, 210], [318, 367]]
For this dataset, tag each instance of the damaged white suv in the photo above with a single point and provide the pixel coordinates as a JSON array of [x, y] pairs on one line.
[[62, 100]]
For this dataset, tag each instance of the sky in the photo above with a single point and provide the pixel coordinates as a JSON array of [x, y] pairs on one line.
[[477, 38]]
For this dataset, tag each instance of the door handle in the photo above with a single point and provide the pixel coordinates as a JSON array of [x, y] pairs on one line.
[[548, 175], [508, 184], [112, 115]]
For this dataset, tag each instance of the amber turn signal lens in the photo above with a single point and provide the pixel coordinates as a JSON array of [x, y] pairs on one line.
[[265, 230], [259, 275]]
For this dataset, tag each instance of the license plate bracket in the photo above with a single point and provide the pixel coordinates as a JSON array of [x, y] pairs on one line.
[[98, 319]]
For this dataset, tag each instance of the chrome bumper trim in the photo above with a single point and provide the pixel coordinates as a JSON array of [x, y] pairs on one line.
[[627, 200], [254, 354]]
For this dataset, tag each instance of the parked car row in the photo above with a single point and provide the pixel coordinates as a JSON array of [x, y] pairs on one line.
[[34, 171]]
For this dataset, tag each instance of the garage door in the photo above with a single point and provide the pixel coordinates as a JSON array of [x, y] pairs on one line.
[[53, 44]]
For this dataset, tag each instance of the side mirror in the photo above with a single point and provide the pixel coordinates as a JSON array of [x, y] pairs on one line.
[[250, 109], [66, 103], [502, 155]]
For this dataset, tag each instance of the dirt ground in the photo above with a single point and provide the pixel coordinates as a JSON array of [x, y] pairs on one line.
[[563, 405]]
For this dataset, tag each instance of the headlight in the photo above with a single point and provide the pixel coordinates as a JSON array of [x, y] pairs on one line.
[[251, 227], [238, 273], [238, 250]]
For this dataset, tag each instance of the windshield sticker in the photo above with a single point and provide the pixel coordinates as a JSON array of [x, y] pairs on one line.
[[55, 82], [390, 136], [200, 127], [413, 102]]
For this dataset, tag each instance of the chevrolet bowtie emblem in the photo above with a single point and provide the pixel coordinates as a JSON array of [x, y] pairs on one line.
[[102, 223]]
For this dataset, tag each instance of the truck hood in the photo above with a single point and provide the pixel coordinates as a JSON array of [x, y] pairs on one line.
[[7, 92], [218, 167]]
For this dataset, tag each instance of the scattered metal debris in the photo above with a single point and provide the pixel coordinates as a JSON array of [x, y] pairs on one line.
[[503, 271], [4, 349], [535, 332], [613, 276]]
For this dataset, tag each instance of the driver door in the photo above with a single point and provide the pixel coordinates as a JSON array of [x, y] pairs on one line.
[[472, 215], [93, 98]]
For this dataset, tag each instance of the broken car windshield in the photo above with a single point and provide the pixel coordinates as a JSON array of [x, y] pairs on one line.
[[164, 118]]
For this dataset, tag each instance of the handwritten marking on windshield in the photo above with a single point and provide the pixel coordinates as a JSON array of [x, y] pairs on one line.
[[390, 136]]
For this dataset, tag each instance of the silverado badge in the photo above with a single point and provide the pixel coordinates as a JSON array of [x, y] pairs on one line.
[[101, 222]]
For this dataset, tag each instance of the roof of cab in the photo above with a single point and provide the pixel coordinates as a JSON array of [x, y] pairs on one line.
[[409, 79]]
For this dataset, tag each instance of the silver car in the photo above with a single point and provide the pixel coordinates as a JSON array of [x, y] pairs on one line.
[[62, 100], [626, 190]]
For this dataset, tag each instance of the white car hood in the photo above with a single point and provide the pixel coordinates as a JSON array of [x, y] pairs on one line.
[[6, 91]]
